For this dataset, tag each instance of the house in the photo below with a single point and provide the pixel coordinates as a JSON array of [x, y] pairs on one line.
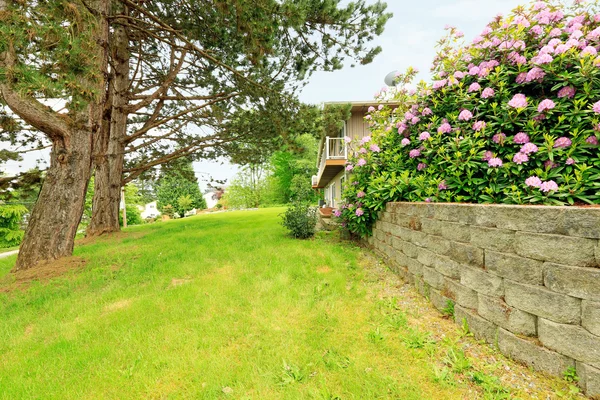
[[333, 153], [150, 210], [213, 195]]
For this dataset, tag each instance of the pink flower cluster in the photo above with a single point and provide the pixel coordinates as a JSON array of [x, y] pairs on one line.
[[479, 125], [424, 136], [567, 91], [487, 93], [466, 115], [546, 105], [445, 128], [521, 138], [548, 186], [518, 101], [495, 162], [499, 138], [562, 142]]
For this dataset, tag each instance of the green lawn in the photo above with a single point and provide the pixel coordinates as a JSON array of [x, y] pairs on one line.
[[215, 306]]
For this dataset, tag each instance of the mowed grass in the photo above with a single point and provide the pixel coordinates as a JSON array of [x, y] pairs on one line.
[[215, 306]]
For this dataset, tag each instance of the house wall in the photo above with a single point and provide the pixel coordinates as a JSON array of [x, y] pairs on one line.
[[356, 126], [337, 183], [150, 210], [524, 278]]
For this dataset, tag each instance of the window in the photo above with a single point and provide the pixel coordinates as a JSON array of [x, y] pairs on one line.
[[332, 204]]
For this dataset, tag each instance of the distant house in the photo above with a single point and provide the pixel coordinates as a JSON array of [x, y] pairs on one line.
[[213, 195], [333, 153], [150, 210]]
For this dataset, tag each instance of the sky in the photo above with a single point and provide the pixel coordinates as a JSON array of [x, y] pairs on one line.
[[408, 40]]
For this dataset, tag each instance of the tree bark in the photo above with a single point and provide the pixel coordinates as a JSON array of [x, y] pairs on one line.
[[110, 152], [107, 190], [52, 227]]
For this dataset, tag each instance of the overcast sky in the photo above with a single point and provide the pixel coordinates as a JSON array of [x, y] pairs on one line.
[[408, 40]]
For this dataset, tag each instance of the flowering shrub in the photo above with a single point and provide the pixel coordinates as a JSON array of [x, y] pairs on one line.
[[510, 118]]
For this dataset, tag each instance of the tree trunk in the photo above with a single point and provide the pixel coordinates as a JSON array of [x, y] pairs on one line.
[[53, 224], [107, 191], [110, 151]]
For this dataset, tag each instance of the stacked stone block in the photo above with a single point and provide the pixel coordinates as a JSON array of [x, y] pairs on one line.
[[525, 278]]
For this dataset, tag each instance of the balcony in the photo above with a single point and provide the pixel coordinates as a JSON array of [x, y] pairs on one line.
[[332, 159]]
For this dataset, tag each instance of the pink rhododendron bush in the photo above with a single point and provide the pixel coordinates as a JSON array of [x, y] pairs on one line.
[[512, 117]]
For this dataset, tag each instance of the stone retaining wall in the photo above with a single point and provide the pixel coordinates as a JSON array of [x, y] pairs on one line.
[[525, 278]]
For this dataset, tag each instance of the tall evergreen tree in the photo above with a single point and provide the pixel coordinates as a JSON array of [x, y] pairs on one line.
[[177, 181], [183, 71], [55, 49]]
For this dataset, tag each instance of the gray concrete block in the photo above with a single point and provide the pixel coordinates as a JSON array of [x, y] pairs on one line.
[[418, 238], [530, 353], [570, 340], [414, 267], [422, 286], [447, 266], [497, 311], [439, 301], [445, 212], [385, 216], [455, 232], [556, 248], [590, 316], [431, 226], [583, 222], [487, 215], [433, 278], [466, 254], [426, 257], [386, 227], [482, 281], [515, 268], [410, 249], [480, 327], [492, 238], [395, 230], [538, 219], [543, 302], [400, 220], [462, 295], [574, 281], [589, 380], [439, 245]]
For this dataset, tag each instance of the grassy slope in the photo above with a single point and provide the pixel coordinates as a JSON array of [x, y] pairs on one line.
[[251, 299]]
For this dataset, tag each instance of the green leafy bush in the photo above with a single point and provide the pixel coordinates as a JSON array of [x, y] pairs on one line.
[[300, 219], [511, 118], [10, 219], [134, 216]]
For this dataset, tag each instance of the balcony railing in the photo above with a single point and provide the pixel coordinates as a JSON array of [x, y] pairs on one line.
[[334, 149]]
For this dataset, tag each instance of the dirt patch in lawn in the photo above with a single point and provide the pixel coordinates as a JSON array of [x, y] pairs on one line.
[[110, 237], [118, 305], [21, 280], [323, 269], [180, 281]]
